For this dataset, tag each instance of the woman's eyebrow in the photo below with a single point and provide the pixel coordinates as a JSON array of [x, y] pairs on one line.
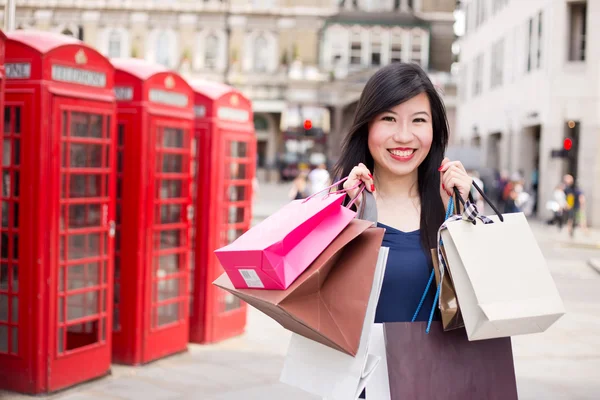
[[421, 112]]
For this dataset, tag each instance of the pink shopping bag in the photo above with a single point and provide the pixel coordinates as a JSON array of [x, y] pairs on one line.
[[272, 254]]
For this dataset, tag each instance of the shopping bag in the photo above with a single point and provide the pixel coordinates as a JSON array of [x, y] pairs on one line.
[[333, 375], [446, 365], [448, 302], [501, 279], [272, 254], [329, 301]]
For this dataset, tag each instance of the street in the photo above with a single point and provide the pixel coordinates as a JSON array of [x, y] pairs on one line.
[[562, 363]]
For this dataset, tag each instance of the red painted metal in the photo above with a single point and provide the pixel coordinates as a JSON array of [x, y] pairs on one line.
[[226, 167], [58, 203], [155, 128]]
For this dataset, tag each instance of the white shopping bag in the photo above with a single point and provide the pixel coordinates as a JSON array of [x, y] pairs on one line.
[[329, 373], [378, 387], [502, 282]]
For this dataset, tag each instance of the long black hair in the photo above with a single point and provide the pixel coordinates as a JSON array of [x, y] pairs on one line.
[[388, 87]]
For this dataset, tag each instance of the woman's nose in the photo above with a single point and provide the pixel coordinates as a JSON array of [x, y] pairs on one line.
[[402, 133]]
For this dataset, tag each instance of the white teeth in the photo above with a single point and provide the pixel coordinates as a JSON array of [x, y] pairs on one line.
[[401, 153]]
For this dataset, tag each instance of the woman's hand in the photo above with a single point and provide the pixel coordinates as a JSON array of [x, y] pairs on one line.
[[453, 175], [359, 174]]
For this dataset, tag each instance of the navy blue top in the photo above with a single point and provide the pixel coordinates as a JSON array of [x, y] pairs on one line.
[[406, 276]]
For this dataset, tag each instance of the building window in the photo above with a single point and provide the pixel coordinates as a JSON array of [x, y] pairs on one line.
[[539, 40], [497, 64], [577, 31], [530, 44], [416, 45], [211, 52], [396, 48], [375, 49], [114, 44], [162, 49], [356, 48], [478, 76], [261, 53]]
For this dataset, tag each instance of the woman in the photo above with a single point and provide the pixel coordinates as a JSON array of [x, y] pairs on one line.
[[396, 148]]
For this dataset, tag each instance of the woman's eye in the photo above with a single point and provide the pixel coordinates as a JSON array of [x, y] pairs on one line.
[[388, 118], [419, 120]]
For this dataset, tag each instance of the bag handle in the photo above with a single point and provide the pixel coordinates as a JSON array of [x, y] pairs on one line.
[[359, 184], [431, 277], [487, 200]]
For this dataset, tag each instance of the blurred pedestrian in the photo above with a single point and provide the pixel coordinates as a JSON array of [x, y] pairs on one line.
[[299, 188], [557, 205], [572, 194], [319, 179]]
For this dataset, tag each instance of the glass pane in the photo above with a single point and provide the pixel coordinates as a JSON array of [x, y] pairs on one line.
[[85, 155], [4, 249], [6, 153], [172, 137], [103, 322], [3, 339], [85, 215], [15, 207], [81, 335], [7, 118], [4, 276], [235, 215], [104, 301], [236, 193], [117, 294], [15, 254], [169, 213], [116, 320], [121, 134], [168, 289], [61, 279], [168, 314], [17, 120], [15, 278], [86, 125], [60, 339], [85, 186], [82, 305], [15, 310], [169, 239], [5, 212], [170, 188], [17, 152], [119, 161], [16, 187], [3, 308], [237, 171], [64, 123], [61, 309], [168, 264], [172, 163], [238, 149], [82, 246], [15, 340], [6, 184], [233, 234]]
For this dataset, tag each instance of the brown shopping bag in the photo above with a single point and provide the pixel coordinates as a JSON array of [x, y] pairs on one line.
[[328, 302], [448, 304]]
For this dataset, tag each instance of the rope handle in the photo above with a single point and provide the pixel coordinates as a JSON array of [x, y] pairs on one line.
[[359, 184], [439, 286]]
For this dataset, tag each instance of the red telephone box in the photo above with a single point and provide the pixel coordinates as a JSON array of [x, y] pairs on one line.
[[58, 206], [226, 167], [155, 128]]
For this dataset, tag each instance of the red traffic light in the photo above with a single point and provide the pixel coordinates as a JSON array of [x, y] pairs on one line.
[[307, 124], [567, 144]]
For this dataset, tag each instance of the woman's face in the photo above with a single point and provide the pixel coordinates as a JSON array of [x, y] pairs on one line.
[[400, 138]]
